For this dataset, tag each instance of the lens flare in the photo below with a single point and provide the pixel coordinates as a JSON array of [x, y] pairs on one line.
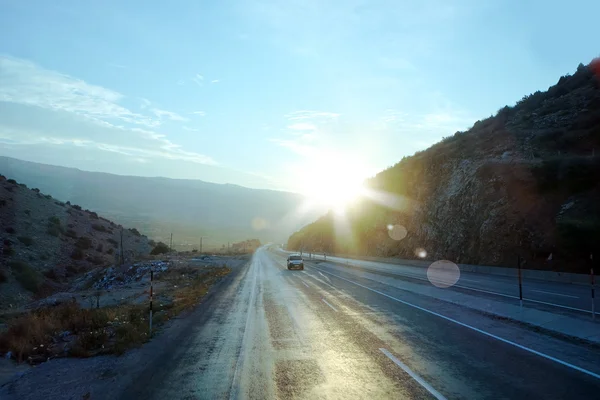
[[398, 232], [443, 273], [420, 252]]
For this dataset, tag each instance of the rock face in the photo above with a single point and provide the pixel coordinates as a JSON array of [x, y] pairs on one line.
[[45, 244], [523, 182]]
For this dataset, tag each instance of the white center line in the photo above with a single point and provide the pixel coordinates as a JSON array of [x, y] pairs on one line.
[[555, 294], [416, 377], [304, 283], [332, 307], [546, 356]]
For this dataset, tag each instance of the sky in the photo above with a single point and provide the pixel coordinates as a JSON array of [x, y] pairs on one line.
[[274, 94]]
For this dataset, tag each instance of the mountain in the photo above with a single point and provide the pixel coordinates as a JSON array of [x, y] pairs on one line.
[[524, 182], [46, 243], [159, 206]]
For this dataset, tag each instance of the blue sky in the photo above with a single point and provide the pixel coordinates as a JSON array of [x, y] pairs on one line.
[[269, 93]]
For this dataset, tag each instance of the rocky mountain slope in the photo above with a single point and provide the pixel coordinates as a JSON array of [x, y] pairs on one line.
[[45, 243], [160, 206], [525, 181]]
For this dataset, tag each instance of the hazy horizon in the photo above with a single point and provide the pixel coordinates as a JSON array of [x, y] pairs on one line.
[[264, 94]]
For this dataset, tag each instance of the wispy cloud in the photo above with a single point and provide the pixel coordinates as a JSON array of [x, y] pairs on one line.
[[180, 82], [200, 113], [168, 115], [311, 115], [198, 79], [302, 126], [215, 81], [47, 107], [24, 82], [187, 128]]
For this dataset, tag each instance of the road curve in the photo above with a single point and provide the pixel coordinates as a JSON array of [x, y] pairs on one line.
[[274, 333]]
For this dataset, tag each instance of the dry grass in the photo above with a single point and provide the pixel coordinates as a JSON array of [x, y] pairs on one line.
[[36, 336]]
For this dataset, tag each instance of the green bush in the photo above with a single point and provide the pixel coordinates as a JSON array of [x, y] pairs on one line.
[[12, 181], [100, 247], [160, 248], [8, 251], [3, 277], [71, 233], [110, 251], [2, 202], [54, 230], [93, 215], [54, 220], [113, 242], [26, 240], [26, 276], [77, 207], [10, 230], [27, 212]]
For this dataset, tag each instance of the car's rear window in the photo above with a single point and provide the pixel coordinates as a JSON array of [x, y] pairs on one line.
[[295, 258]]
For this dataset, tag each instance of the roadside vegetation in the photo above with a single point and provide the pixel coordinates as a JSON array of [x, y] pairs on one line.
[[68, 330]]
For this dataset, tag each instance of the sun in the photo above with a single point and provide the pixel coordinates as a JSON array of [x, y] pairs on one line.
[[334, 183]]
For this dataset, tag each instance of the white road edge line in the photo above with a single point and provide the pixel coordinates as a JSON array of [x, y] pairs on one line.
[[304, 283], [332, 307], [555, 294], [416, 377], [546, 356], [374, 271]]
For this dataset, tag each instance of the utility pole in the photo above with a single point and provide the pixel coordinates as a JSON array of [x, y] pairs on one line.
[[201, 244], [171, 244]]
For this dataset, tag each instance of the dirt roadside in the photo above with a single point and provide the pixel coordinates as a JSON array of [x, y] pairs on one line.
[[105, 376]]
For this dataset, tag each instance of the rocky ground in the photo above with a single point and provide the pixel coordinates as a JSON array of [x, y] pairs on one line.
[[46, 245], [179, 283]]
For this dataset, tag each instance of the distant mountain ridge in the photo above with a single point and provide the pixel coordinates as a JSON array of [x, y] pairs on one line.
[[158, 206]]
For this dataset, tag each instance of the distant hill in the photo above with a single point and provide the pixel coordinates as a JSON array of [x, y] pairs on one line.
[[46, 243], [525, 181], [158, 206]]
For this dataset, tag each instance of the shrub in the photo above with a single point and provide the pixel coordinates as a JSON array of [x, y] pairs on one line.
[[83, 243], [160, 248], [110, 251], [26, 240], [100, 248], [77, 254], [54, 230], [2, 202], [44, 257], [51, 274], [12, 181], [8, 251], [77, 207], [48, 196], [26, 276], [3, 276], [93, 215], [99, 227], [27, 212], [71, 233], [10, 230], [36, 190], [113, 242], [135, 232], [54, 220]]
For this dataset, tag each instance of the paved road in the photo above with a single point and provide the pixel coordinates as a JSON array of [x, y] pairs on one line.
[[274, 333], [573, 297]]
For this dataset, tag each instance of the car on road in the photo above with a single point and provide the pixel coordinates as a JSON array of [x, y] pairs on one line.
[[295, 261]]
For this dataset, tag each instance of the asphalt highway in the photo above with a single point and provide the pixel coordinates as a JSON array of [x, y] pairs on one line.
[[273, 333]]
